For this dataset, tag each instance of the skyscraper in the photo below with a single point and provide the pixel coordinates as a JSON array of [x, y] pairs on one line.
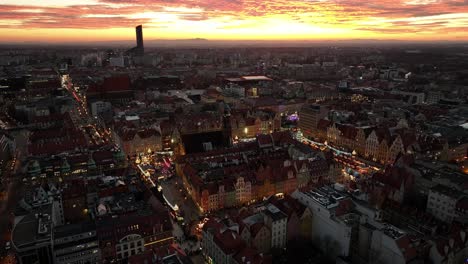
[[139, 50], [139, 38]]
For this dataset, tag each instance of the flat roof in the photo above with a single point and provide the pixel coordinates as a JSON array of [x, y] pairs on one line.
[[172, 259], [132, 118], [256, 78], [26, 231], [447, 191], [74, 229], [248, 78], [392, 232], [325, 196]]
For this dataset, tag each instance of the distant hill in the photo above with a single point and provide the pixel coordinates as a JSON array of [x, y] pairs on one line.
[[205, 43]]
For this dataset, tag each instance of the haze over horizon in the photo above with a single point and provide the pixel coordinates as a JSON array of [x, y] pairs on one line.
[[65, 21]]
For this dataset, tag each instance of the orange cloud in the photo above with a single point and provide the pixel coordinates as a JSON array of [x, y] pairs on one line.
[[234, 19]]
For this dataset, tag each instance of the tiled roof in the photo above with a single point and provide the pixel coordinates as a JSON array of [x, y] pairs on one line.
[[116, 83], [383, 133], [252, 256], [229, 241], [323, 124], [282, 137], [348, 131], [264, 140], [394, 177], [103, 156], [255, 228]]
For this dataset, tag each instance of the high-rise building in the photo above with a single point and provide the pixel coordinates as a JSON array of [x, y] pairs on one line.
[[139, 50], [139, 37], [309, 117], [31, 236]]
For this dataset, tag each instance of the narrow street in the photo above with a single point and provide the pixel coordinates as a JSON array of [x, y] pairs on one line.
[[175, 193], [7, 207], [188, 214]]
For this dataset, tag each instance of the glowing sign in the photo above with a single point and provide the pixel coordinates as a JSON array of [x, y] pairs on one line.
[[293, 117]]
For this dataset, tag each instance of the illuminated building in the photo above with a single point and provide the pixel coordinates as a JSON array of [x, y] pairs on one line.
[[248, 172], [309, 117]]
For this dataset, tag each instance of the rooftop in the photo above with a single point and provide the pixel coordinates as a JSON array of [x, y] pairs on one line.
[[392, 232], [256, 78], [325, 196], [73, 229], [172, 259], [447, 191], [33, 228], [275, 213]]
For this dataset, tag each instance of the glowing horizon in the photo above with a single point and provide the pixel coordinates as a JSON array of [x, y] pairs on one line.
[[300, 20]]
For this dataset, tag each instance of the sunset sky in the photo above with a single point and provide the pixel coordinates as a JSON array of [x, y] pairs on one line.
[[103, 20]]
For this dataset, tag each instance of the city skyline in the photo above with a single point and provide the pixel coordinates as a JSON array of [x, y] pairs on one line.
[[296, 20], [233, 132]]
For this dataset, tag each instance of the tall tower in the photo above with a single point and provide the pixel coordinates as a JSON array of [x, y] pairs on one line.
[[139, 38], [227, 129]]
